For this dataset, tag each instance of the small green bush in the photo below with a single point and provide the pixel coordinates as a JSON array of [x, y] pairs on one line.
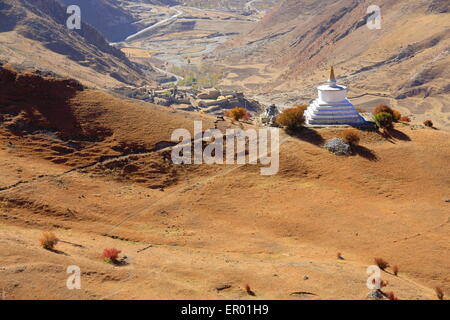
[[383, 120]]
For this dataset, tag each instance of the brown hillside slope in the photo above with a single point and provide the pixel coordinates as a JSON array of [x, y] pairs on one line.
[[33, 34], [207, 231]]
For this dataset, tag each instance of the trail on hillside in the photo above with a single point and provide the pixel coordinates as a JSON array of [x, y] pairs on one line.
[[199, 183]]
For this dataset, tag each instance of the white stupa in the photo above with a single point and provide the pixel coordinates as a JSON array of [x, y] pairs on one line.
[[332, 107]]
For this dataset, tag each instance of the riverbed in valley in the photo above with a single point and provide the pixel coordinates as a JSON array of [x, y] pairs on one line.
[[182, 35]]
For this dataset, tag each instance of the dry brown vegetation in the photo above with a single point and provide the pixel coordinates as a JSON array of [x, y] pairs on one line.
[[381, 263], [238, 113], [351, 136], [383, 108], [439, 293], [48, 240], [428, 123], [293, 118], [396, 115], [395, 270]]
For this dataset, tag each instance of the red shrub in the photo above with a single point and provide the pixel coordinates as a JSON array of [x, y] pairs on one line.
[[111, 255], [249, 290], [391, 296], [405, 119]]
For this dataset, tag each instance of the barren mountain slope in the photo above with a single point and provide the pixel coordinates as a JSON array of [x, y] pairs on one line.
[[406, 61], [34, 34], [114, 23], [94, 169]]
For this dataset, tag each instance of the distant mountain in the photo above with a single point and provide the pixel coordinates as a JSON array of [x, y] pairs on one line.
[[106, 17], [42, 23], [156, 2]]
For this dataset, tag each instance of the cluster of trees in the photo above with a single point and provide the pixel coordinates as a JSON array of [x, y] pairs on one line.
[[197, 77]]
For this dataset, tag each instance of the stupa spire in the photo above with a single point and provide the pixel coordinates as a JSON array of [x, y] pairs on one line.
[[332, 76]]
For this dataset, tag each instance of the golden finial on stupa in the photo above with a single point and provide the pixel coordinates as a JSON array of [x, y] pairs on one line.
[[332, 76]]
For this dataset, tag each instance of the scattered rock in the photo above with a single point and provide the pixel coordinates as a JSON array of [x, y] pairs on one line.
[[305, 278], [375, 295], [269, 116], [338, 147]]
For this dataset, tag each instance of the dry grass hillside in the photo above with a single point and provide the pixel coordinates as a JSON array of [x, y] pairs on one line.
[[405, 63], [93, 169]]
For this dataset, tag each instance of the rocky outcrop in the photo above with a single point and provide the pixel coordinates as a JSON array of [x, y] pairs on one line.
[[439, 6]]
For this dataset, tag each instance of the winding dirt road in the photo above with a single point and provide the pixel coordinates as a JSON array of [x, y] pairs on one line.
[[162, 22]]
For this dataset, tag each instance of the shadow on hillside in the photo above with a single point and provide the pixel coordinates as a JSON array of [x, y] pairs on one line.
[[397, 135], [35, 102], [365, 153], [120, 263], [308, 135], [392, 135], [9, 19], [58, 252]]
